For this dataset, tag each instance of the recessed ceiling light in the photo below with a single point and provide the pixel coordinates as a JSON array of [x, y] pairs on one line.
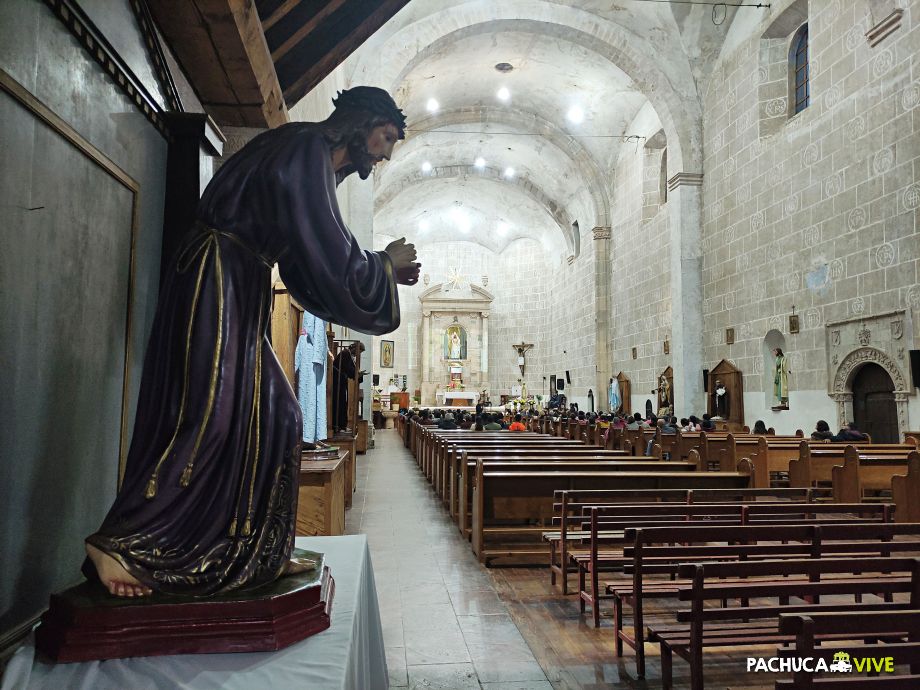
[[426, 167], [424, 225], [480, 162], [503, 94], [575, 115], [509, 172], [432, 105], [504, 67]]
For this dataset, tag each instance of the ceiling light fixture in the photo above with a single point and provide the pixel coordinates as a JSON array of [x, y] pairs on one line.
[[503, 229], [503, 94], [426, 167], [504, 67], [424, 225], [432, 105], [509, 172], [480, 162], [575, 115]]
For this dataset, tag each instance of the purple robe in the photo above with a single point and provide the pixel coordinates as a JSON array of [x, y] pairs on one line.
[[209, 496]]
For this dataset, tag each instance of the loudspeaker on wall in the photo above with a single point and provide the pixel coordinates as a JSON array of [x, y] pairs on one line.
[[568, 377], [915, 367], [706, 380], [560, 384]]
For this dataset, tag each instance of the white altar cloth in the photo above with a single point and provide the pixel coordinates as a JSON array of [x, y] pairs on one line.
[[350, 654], [471, 396]]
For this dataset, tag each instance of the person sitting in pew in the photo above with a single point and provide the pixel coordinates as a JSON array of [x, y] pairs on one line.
[[447, 422], [517, 425], [494, 424], [635, 423], [760, 428], [694, 424], [466, 421], [478, 426], [849, 433], [708, 424], [822, 432]]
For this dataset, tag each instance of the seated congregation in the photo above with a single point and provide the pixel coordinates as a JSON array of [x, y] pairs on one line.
[[677, 538]]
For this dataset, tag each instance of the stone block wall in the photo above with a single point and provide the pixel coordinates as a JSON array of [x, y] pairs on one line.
[[822, 212]]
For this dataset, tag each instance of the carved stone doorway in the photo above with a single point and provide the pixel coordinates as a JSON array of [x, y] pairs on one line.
[[874, 409]]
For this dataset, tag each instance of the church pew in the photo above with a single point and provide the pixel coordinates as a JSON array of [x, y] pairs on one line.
[[558, 462], [606, 525], [867, 470], [811, 628], [448, 461], [568, 506], [462, 463], [525, 497], [701, 627], [670, 552], [816, 461], [438, 461], [905, 492]]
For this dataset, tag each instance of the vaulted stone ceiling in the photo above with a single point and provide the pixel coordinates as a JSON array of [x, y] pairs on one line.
[[608, 59]]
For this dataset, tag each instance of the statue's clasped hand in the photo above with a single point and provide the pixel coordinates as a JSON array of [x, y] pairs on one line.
[[403, 256]]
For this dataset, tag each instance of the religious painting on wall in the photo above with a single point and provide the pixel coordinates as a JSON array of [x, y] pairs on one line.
[[455, 342], [386, 354]]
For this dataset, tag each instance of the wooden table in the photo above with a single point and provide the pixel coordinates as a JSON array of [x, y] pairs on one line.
[[348, 442], [321, 496]]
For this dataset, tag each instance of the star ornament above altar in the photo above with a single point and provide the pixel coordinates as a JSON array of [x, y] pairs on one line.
[[455, 279]]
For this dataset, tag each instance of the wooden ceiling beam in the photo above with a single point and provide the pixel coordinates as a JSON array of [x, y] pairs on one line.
[[319, 66], [221, 46], [305, 30], [279, 14]]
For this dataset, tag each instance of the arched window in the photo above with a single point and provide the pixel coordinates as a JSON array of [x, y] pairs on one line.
[[799, 60]]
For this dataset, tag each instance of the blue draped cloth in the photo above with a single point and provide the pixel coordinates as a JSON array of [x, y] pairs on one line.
[[310, 368]]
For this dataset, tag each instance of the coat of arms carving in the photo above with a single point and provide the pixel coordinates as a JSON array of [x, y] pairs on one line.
[[897, 329], [864, 336], [835, 338]]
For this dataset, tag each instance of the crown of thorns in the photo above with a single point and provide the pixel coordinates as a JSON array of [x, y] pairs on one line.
[[374, 100]]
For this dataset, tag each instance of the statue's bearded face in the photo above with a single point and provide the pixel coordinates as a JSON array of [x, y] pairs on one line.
[[366, 151]]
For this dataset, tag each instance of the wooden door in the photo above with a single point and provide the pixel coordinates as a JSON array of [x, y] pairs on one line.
[[874, 410]]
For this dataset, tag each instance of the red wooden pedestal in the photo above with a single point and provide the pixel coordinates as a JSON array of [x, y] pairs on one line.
[[86, 623]]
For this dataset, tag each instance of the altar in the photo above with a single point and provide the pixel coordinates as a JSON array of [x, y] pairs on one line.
[[451, 398]]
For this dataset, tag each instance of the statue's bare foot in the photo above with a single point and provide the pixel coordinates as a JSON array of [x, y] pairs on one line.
[[299, 565], [114, 577]]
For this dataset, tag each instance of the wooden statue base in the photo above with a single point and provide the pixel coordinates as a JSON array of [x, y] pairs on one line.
[[86, 623]]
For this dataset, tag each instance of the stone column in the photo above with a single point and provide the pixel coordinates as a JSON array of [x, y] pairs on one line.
[[602, 350], [844, 408], [900, 401], [426, 347], [685, 218], [484, 353]]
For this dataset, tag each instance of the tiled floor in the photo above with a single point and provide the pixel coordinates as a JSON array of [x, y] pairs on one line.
[[443, 624]]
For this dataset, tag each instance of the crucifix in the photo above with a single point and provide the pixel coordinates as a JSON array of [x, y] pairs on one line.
[[522, 348]]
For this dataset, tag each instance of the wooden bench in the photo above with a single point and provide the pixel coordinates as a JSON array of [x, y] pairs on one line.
[[651, 551], [527, 496], [455, 474], [905, 492], [701, 626], [900, 629], [866, 470], [569, 507], [816, 461], [559, 463], [459, 491]]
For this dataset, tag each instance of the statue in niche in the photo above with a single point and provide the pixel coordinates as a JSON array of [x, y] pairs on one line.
[[780, 380], [208, 500], [455, 342], [721, 403], [664, 396]]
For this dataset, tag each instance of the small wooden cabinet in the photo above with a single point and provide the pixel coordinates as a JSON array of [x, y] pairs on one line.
[[321, 496], [361, 440]]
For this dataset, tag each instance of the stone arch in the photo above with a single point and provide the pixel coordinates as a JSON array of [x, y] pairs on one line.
[[533, 123], [679, 111], [554, 208], [842, 383]]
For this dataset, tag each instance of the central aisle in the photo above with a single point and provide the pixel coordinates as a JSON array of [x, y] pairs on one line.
[[444, 626]]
